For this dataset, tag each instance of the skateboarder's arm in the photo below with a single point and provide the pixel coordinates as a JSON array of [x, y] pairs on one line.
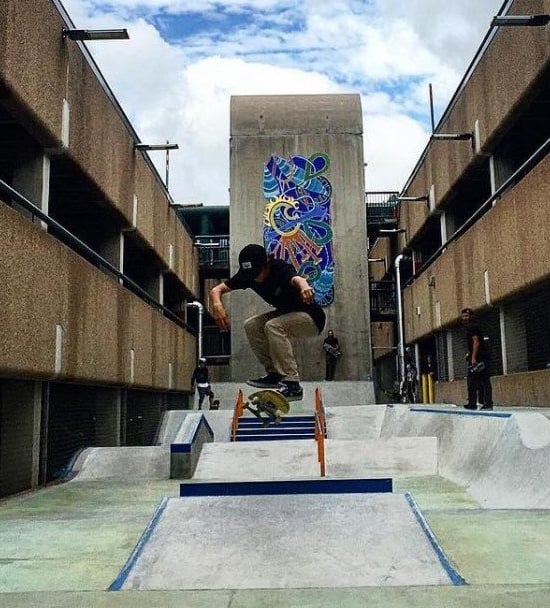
[[218, 311], [306, 292]]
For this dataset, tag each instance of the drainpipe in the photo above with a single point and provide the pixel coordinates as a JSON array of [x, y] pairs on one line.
[[400, 332], [200, 307]]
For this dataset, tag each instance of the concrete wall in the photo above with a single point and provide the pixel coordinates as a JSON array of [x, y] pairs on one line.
[[530, 389], [46, 285], [46, 78], [498, 86], [304, 125], [521, 259]]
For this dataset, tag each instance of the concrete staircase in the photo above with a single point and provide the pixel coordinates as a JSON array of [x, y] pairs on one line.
[[290, 427]]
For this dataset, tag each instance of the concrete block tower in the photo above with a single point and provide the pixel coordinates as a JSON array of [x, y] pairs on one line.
[[297, 187]]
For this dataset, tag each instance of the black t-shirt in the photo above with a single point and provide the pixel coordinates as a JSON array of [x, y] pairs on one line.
[[475, 330], [277, 291]]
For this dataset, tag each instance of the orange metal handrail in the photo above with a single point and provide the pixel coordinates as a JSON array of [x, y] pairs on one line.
[[320, 430], [237, 413]]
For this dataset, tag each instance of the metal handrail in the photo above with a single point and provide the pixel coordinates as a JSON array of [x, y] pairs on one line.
[[511, 181], [237, 413], [320, 431], [90, 255]]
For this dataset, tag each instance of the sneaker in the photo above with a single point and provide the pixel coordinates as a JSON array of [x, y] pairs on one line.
[[468, 406], [486, 407], [291, 390], [270, 380]]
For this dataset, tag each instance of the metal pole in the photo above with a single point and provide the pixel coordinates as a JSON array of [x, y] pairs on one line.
[[432, 107], [400, 332], [168, 164], [200, 308]]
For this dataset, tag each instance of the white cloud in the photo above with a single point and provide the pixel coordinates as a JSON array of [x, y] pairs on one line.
[[387, 50]]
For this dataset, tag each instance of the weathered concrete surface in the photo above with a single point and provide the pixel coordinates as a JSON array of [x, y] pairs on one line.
[[287, 542], [258, 460], [304, 125], [395, 456], [151, 462], [477, 596]]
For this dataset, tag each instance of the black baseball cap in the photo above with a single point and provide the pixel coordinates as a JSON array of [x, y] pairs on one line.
[[252, 259]]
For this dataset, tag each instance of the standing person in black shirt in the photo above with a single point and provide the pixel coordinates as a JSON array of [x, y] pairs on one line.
[[478, 379], [295, 315], [201, 377], [331, 346]]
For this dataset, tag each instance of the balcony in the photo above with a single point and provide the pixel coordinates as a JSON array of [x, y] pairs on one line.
[[383, 303], [382, 208], [213, 252]]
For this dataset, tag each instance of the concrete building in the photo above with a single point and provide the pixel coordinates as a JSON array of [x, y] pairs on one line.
[[95, 267], [479, 235], [297, 186]]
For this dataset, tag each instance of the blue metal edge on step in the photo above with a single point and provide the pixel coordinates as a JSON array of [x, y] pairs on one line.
[[302, 486], [117, 584], [487, 414], [452, 573]]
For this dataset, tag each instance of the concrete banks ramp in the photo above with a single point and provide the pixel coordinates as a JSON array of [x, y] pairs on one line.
[[500, 457], [284, 541], [122, 463]]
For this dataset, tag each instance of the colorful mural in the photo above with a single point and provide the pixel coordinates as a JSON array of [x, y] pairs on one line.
[[297, 218]]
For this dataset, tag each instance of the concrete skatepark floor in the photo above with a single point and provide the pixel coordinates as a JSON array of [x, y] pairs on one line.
[[64, 545]]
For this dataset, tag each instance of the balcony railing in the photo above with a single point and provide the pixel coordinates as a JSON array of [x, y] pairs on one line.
[[216, 343], [382, 207], [213, 250], [382, 298]]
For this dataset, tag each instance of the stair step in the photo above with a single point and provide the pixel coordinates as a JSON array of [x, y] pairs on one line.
[[284, 425], [268, 437], [274, 430], [251, 419]]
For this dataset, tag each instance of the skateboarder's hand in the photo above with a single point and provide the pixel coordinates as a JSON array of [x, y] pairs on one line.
[[306, 295], [220, 316]]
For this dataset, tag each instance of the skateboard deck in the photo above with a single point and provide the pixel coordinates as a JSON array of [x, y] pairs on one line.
[[269, 402]]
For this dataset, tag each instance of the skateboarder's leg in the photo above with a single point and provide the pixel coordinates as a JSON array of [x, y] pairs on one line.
[[279, 330], [254, 328]]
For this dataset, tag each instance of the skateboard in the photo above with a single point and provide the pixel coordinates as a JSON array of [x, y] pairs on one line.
[[270, 402]]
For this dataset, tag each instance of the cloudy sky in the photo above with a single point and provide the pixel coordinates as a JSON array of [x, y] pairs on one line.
[[185, 58]]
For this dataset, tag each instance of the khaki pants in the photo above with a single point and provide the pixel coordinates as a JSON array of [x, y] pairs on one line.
[[269, 337]]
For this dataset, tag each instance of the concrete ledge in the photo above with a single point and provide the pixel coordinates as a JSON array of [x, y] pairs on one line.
[[186, 448], [303, 486]]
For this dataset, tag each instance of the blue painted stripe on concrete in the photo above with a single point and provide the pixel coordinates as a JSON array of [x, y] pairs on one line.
[[301, 486], [180, 448], [184, 448], [488, 414], [262, 437], [117, 584], [452, 573]]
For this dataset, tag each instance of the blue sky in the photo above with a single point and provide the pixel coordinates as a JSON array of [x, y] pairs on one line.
[[185, 58]]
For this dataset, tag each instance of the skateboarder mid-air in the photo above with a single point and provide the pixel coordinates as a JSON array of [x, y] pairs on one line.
[[295, 315]]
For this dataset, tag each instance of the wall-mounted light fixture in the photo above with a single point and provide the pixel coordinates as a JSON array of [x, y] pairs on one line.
[[414, 199], [153, 147], [453, 136], [74, 34], [520, 20], [392, 230], [384, 260]]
